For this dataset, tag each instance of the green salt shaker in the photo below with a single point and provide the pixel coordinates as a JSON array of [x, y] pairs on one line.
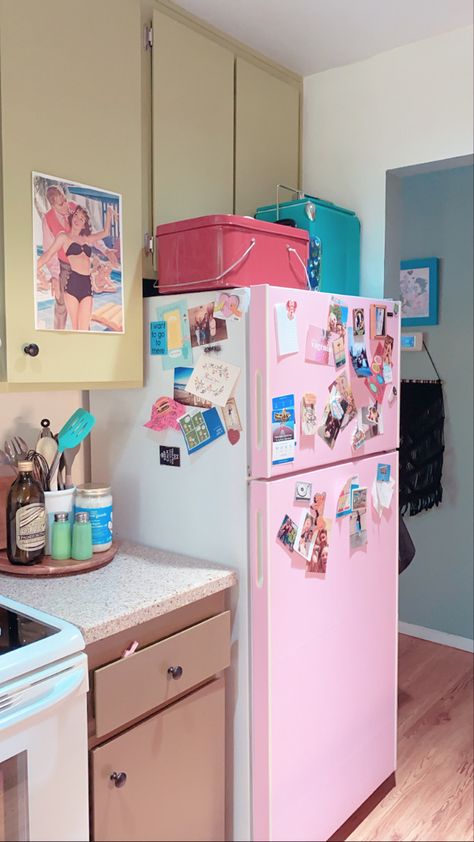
[[82, 537], [61, 537]]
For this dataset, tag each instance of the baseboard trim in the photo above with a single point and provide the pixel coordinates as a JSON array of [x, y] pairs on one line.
[[436, 636]]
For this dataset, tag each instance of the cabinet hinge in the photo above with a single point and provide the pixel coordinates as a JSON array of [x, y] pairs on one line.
[[147, 36], [148, 243]]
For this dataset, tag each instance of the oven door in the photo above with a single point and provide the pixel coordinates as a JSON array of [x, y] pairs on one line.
[[43, 755]]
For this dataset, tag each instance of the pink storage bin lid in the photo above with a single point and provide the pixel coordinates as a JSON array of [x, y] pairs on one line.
[[230, 219]]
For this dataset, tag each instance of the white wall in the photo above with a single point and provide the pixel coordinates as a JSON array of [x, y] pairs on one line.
[[402, 107]]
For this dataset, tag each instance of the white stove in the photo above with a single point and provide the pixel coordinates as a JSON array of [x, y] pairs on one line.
[[43, 727]]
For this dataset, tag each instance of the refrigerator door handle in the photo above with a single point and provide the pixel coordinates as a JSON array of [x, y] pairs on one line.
[[259, 550], [259, 413]]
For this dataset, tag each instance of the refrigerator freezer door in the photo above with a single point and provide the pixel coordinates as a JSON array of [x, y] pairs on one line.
[[290, 375], [323, 658]]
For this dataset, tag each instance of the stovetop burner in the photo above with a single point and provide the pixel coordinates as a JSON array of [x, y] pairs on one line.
[[18, 630]]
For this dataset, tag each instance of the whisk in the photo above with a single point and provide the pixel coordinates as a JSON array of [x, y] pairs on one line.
[[40, 468]]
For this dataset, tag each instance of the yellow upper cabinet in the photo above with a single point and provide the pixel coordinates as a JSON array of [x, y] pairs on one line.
[[70, 108], [193, 122], [266, 136]]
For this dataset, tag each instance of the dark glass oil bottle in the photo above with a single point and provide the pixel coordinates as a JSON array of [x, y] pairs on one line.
[[26, 518]]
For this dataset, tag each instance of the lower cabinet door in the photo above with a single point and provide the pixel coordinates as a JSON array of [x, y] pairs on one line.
[[164, 778]]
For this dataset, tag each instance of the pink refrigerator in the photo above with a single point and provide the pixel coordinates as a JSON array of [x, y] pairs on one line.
[[279, 459]]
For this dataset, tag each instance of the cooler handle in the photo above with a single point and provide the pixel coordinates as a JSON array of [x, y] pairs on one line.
[[218, 277], [296, 190], [291, 251]]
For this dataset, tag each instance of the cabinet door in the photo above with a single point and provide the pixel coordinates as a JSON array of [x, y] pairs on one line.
[[174, 766], [266, 136], [193, 123], [70, 99]]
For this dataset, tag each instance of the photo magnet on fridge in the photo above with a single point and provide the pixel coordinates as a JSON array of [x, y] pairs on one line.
[[319, 556], [378, 321], [358, 321], [306, 535], [359, 498], [317, 506], [358, 354], [287, 533], [339, 351], [344, 502], [383, 472], [358, 529], [204, 327], [308, 414]]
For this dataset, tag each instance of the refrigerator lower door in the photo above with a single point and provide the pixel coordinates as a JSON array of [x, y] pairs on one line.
[[281, 368], [323, 655]]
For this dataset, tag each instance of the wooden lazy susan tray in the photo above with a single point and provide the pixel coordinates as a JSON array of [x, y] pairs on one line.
[[50, 567]]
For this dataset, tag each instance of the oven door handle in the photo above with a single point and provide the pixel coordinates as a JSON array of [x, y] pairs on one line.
[[62, 686]]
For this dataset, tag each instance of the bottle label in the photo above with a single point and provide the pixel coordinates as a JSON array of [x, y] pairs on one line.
[[101, 522], [31, 527]]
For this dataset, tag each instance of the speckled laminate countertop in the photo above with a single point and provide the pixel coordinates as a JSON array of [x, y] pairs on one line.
[[138, 585]]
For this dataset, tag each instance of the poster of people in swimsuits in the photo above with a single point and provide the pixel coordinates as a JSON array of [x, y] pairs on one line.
[[77, 256]]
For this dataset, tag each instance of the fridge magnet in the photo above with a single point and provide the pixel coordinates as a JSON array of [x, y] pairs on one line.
[[232, 305], [177, 330], [317, 345], [337, 410], [182, 375], [419, 291], [201, 429], [283, 429], [387, 359], [204, 328], [371, 420], [164, 415], [376, 383], [383, 472], [158, 338], [345, 397], [170, 456], [287, 533], [232, 423], [330, 427], [358, 438], [308, 414], [378, 321], [286, 328], [319, 556], [358, 321], [344, 501], [359, 499], [392, 394], [77, 248], [306, 535], [382, 493], [339, 351], [317, 506], [303, 491], [358, 354], [337, 318], [213, 380], [358, 529]]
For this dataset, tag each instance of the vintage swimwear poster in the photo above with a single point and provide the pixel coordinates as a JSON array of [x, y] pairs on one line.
[[77, 256]]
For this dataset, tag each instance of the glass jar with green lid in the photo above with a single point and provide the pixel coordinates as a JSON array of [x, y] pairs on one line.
[[96, 499]]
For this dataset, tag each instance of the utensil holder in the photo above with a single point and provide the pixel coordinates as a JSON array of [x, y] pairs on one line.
[[57, 501]]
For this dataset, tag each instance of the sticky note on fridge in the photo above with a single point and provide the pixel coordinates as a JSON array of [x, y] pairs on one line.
[[158, 338], [286, 329]]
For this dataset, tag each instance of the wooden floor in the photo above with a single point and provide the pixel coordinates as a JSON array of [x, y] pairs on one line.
[[434, 795]]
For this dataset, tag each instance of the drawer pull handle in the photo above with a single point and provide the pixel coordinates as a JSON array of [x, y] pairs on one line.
[[32, 349], [175, 672], [119, 778]]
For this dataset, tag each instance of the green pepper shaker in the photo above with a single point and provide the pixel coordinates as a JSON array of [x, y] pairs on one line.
[[82, 537], [61, 537]]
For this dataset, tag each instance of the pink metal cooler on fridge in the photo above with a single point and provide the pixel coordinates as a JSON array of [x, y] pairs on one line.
[[211, 252]]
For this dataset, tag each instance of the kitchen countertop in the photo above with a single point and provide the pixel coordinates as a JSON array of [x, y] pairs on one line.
[[140, 584]]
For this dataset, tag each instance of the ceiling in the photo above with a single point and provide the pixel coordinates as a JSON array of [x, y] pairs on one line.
[[308, 36]]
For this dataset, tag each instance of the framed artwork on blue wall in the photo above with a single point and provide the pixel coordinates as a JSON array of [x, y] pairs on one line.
[[419, 291]]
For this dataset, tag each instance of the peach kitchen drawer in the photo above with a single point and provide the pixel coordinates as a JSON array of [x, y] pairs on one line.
[[128, 688]]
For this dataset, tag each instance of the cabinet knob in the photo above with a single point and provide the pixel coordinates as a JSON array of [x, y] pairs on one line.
[[175, 672], [119, 778], [32, 349]]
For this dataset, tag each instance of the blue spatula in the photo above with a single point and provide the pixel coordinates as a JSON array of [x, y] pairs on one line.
[[75, 430]]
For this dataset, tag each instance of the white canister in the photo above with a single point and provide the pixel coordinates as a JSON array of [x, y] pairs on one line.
[[96, 499], [54, 502]]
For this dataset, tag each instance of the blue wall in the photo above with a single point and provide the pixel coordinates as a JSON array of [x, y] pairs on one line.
[[431, 215]]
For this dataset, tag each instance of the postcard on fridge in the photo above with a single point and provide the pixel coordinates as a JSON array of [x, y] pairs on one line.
[[283, 429], [213, 380]]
